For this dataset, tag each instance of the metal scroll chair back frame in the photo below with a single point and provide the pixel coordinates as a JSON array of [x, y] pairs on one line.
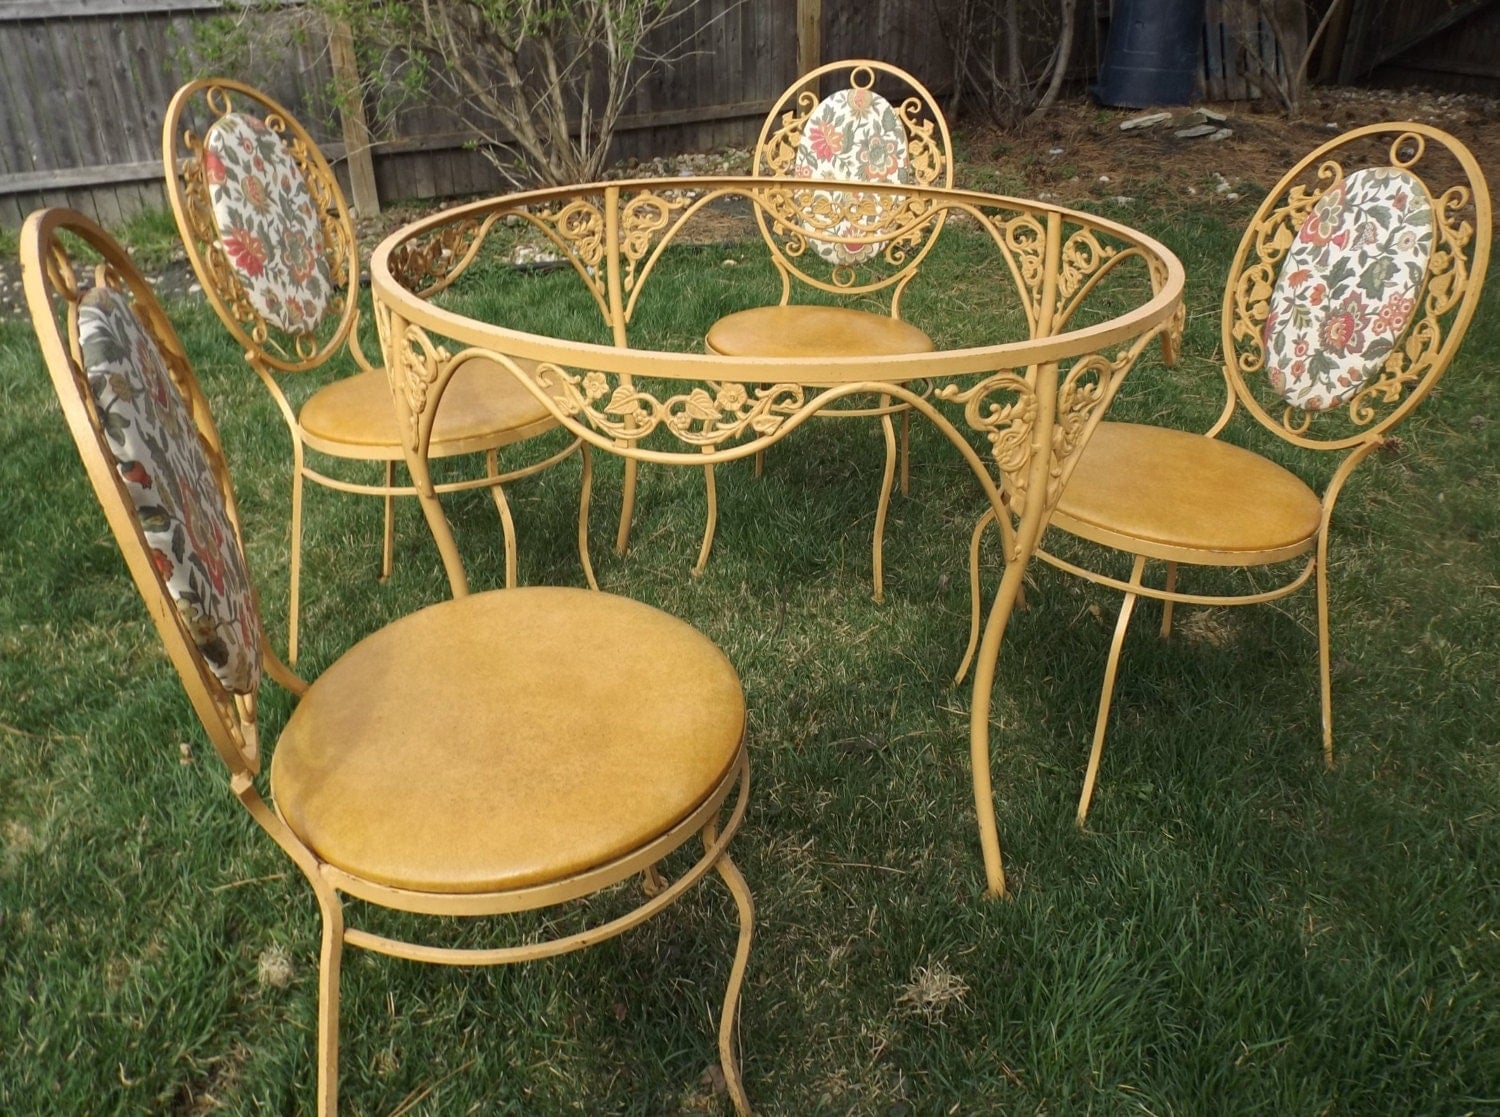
[[1355, 405], [926, 160], [283, 334]]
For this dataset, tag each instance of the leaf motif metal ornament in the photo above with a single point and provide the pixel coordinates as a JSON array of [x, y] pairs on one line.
[[778, 153], [1006, 425], [1025, 239], [576, 227], [698, 416], [1082, 256], [421, 363], [426, 263], [924, 154], [642, 217], [1088, 387], [1274, 237], [1447, 281]]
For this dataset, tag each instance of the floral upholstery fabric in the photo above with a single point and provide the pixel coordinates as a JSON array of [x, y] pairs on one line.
[[1348, 287], [854, 136], [267, 222], [160, 458]]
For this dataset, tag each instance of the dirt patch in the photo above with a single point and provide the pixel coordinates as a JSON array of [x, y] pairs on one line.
[[1078, 151], [1079, 141]]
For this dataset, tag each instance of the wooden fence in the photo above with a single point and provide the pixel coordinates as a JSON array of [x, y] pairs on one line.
[[84, 85]]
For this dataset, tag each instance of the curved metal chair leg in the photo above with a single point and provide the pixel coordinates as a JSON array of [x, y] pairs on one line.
[[627, 506], [906, 452], [330, 964], [388, 535], [1325, 652], [728, 1020], [974, 542], [711, 521], [585, 494], [882, 507], [1106, 692], [1166, 605], [508, 530], [294, 603]]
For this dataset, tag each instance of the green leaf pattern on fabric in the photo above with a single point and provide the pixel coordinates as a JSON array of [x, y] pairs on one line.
[[852, 136], [160, 457], [268, 224], [1348, 287]]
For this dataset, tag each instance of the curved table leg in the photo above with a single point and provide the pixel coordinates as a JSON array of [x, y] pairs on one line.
[[1107, 689]]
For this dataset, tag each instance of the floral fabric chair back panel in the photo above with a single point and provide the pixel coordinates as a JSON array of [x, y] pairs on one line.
[[267, 222], [160, 458], [1348, 287], [852, 136]]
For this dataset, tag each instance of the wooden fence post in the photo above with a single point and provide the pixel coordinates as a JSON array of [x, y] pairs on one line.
[[356, 128], [809, 38]]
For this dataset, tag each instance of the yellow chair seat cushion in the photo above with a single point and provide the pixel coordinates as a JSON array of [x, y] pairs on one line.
[[1181, 496], [483, 406], [507, 739], [814, 331]]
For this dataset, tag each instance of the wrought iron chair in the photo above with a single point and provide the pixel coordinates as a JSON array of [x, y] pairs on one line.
[[396, 778], [854, 134], [1346, 302], [269, 235]]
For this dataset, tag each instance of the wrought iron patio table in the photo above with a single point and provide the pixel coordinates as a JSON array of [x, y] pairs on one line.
[[1092, 294]]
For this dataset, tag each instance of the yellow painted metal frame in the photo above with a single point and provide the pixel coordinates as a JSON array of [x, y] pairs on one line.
[[929, 149], [1446, 304], [53, 290], [274, 354], [1032, 401]]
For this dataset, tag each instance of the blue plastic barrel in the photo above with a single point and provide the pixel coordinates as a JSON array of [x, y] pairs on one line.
[[1151, 55]]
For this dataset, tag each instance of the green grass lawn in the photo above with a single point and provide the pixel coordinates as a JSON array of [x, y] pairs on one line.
[[1237, 930]]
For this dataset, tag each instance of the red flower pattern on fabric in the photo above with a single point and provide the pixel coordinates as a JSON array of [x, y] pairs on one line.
[[161, 459], [1348, 287], [268, 223]]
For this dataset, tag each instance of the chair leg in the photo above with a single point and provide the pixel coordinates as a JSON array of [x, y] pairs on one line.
[[1106, 692], [388, 534], [294, 603], [882, 507], [508, 530], [627, 506], [728, 1020], [711, 521], [974, 542], [585, 495], [330, 964], [1166, 606], [1325, 655], [760, 464], [906, 452]]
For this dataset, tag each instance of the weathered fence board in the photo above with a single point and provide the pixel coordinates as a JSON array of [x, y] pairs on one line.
[[93, 140]]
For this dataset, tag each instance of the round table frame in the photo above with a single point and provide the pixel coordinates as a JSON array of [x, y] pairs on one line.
[[1034, 400]]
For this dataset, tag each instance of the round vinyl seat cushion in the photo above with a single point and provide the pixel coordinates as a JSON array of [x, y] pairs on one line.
[[1185, 497], [484, 405], [814, 331], [507, 739]]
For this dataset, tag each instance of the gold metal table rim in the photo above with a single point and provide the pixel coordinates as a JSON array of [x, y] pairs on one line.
[[1048, 446], [762, 370]]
